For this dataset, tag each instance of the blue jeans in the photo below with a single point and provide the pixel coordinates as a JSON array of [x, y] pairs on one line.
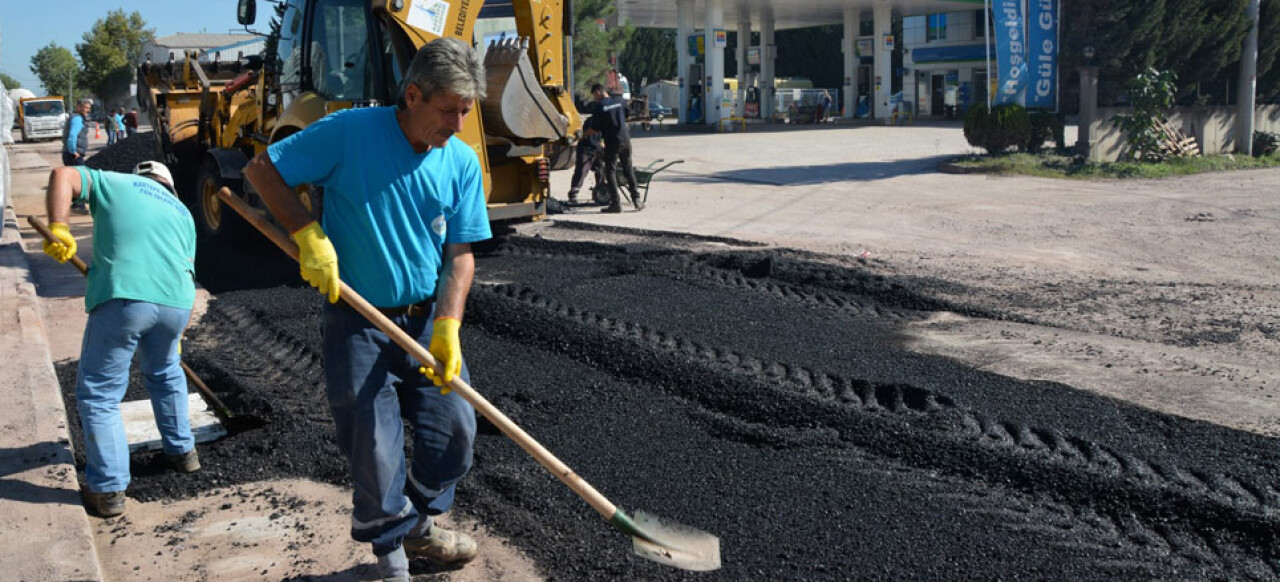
[[372, 383], [115, 330]]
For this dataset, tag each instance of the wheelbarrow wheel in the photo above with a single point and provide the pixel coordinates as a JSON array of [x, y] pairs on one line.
[[600, 193]]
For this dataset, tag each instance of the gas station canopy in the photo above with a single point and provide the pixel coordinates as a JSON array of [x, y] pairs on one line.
[[702, 28], [786, 13]]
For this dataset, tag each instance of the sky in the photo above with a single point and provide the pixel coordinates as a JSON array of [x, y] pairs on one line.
[[27, 27]]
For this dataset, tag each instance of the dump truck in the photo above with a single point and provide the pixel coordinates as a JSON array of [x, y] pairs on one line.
[[212, 113], [41, 117]]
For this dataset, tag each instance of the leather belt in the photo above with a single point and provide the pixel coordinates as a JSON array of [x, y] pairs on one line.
[[418, 309]]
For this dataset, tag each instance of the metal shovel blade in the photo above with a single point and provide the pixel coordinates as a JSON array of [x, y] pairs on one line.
[[674, 544]]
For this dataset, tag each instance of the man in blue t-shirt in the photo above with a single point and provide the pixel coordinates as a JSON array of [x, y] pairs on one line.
[[75, 140], [139, 298], [403, 200]]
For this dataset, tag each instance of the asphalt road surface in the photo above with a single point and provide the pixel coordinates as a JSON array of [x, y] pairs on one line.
[[851, 415], [763, 396]]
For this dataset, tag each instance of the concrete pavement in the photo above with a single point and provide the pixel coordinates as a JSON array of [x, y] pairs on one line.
[[44, 526]]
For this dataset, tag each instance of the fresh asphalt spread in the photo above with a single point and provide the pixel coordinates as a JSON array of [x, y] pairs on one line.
[[762, 396]]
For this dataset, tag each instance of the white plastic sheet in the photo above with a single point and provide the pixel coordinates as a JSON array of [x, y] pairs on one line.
[[6, 136]]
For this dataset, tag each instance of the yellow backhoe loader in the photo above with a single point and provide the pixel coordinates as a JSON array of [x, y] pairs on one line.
[[212, 113]]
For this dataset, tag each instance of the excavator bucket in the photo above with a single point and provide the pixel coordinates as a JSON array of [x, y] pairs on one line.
[[515, 105]]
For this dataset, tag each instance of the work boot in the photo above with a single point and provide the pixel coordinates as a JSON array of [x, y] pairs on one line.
[[635, 200], [442, 546], [106, 504], [573, 195], [188, 462], [393, 566], [612, 209]]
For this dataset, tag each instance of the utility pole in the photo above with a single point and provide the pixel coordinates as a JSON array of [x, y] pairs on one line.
[[986, 25], [1248, 83]]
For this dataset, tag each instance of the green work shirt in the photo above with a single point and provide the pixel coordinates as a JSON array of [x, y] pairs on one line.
[[144, 241]]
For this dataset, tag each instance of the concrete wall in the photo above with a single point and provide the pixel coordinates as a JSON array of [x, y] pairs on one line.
[[1213, 127]]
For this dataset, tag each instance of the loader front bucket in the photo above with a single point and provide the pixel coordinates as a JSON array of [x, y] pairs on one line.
[[515, 105]]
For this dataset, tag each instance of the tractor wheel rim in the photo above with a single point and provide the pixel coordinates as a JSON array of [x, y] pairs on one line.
[[211, 205]]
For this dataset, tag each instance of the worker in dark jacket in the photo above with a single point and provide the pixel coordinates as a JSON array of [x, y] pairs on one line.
[[611, 121], [588, 153]]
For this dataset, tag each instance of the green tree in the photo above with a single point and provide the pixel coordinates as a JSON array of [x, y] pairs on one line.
[[1152, 93], [273, 37], [57, 70], [812, 53], [1198, 40], [650, 54], [594, 44], [9, 82], [110, 50]]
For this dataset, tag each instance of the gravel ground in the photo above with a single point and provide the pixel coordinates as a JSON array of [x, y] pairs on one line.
[[768, 397]]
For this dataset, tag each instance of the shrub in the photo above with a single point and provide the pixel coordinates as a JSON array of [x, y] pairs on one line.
[[1265, 143], [1045, 126], [1152, 94], [977, 121], [999, 129]]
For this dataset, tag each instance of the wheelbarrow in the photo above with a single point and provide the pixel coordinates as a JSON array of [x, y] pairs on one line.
[[600, 193]]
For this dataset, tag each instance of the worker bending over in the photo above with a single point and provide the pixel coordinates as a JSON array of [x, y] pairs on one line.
[[140, 292], [403, 201]]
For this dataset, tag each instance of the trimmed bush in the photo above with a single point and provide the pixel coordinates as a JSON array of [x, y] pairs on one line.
[[977, 122], [1045, 127], [997, 130]]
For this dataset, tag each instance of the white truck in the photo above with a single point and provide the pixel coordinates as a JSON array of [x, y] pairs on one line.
[[41, 117]]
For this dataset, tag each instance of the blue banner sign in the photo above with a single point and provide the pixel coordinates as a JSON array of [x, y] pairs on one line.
[[1042, 46], [1011, 52]]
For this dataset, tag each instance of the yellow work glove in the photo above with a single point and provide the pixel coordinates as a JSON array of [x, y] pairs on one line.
[[447, 350], [63, 245], [317, 260]]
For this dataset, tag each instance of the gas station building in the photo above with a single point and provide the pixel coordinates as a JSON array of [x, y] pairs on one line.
[[944, 64]]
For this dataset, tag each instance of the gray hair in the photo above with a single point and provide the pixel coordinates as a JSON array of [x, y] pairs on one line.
[[445, 65]]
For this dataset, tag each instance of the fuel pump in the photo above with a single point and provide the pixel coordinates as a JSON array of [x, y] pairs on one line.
[[751, 107], [696, 90]]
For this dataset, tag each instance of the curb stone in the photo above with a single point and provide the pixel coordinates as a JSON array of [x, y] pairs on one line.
[[43, 525]]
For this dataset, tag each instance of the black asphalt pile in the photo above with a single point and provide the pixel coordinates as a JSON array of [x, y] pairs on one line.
[[123, 155], [764, 397]]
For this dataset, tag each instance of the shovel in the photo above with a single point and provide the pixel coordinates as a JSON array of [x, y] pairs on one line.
[[653, 538], [224, 414]]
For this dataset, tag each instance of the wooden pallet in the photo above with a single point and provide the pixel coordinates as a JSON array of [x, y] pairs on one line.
[[1176, 144]]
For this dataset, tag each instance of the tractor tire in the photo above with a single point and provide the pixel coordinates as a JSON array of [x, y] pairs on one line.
[[213, 218]]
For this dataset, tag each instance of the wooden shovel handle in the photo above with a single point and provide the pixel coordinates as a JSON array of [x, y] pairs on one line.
[[410, 345], [209, 397]]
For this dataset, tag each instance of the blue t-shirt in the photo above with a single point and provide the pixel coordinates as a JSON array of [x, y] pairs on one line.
[[388, 210]]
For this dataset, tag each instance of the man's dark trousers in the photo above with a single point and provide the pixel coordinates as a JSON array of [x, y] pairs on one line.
[[619, 152]]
